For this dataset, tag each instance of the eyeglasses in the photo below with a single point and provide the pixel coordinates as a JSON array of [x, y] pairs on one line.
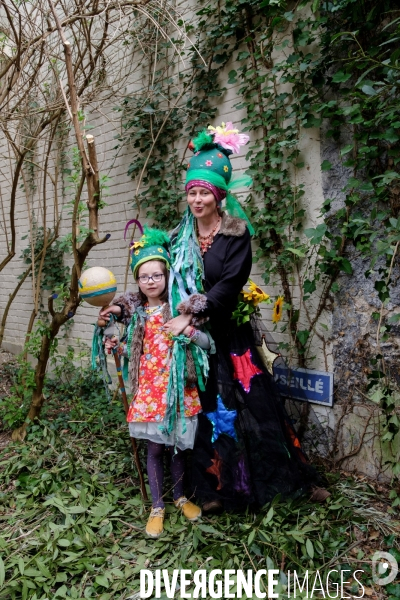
[[146, 278]]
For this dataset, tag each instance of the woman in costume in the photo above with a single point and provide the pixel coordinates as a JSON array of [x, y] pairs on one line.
[[165, 404], [246, 451]]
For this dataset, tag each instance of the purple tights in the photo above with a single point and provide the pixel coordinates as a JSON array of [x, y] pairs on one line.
[[155, 472]]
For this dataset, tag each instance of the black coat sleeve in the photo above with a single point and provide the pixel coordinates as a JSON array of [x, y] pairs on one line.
[[223, 295]]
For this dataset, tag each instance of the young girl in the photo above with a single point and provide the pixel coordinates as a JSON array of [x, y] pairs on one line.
[[158, 413]]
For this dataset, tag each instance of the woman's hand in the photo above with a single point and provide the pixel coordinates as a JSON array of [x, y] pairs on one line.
[[187, 331], [104, 313], [178, 324]]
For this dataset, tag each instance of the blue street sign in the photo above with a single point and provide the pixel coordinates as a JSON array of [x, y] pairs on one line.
[[305, 384]]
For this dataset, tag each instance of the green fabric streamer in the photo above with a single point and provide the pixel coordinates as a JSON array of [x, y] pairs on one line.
[[201, 365], [177, 381], [176, 387], [99, 359], [186, 276], [234, 208], [129, 333]]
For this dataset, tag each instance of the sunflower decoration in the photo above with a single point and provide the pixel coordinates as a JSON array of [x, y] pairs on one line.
[[255, 295], [139, 244], [277, 310], [248, 303]]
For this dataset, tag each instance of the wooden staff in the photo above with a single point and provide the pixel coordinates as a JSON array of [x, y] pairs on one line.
[[126, 407]]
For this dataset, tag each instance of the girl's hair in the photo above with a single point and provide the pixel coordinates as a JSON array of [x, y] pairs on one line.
[[164, 295]]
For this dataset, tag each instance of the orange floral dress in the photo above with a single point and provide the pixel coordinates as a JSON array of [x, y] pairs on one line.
[[150, 401]]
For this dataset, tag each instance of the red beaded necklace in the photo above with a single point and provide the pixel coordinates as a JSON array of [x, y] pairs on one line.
[[205, 241]]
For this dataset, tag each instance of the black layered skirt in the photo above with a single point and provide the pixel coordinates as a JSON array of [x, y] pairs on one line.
[[246, 450]]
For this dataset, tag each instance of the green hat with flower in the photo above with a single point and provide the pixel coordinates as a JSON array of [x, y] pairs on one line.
[[153, 245], [209, 161]]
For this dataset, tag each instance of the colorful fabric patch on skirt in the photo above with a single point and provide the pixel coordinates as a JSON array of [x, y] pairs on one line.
[[222, 420], [244, 369]]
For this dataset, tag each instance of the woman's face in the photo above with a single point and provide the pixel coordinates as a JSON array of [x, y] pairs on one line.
[[202, 202]]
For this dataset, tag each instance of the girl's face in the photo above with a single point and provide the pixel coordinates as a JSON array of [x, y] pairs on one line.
[[151, 279], [202, 202]]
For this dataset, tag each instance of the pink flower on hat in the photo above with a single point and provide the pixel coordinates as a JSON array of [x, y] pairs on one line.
[[228, 137], [208, 163]]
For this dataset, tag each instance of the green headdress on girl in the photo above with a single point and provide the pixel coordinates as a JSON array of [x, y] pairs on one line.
[[153, 245]]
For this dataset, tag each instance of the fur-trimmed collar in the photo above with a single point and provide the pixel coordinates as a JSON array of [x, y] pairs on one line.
[[232, 225]]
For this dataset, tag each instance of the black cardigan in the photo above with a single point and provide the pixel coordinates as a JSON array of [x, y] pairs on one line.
[[227, 266]]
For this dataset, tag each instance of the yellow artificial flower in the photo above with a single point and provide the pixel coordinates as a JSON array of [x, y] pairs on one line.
[[139, 244], [277, 310], [258, 294], [255, 295], [247, 296], [221, 129]]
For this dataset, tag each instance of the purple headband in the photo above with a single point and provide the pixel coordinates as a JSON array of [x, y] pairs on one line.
[[218, 192]]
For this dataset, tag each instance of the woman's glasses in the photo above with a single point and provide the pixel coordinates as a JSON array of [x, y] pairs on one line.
[[146, 278]]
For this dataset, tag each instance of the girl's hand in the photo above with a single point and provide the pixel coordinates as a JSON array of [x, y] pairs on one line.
[[104, 313], [110, 344], [178, 324]]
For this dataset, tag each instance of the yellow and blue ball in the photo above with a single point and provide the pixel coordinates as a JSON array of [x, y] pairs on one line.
[[97, 286]]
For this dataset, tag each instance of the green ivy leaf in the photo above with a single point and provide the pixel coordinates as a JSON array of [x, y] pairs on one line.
[[232, 76], [311, 121], [326, 165], [303, 336], [346, 149], [394, 319], [346, 266], [315, 5], [341, 77], [309, 286], [316, 235], [296, 251]]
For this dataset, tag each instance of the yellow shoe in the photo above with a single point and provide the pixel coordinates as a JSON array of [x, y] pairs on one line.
[[190, 510], [154, 527]]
